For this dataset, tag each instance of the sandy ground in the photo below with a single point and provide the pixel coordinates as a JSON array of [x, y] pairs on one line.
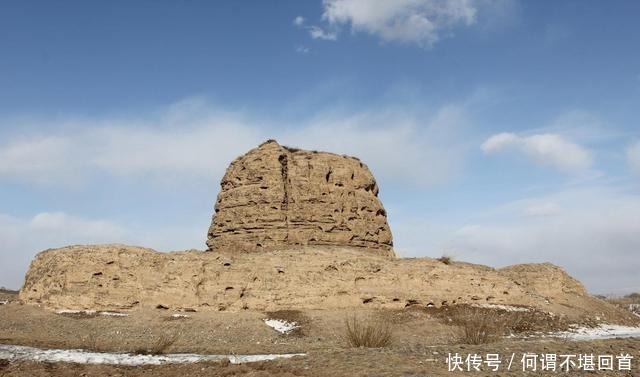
[[422, 340]]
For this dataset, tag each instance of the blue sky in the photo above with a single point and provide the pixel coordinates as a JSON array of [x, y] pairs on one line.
[[500, 131]]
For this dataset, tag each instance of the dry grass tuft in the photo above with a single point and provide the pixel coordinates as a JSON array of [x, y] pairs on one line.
[[478, 326], [484, 325], [370, 333]]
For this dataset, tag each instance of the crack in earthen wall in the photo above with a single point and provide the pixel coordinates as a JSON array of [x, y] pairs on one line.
[[284, 171]]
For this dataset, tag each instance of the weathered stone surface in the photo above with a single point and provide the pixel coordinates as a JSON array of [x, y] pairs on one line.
[[311, 277], [274, 196]]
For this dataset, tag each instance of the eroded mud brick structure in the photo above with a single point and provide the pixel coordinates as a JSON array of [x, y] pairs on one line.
[[294, 229], [274, 197]]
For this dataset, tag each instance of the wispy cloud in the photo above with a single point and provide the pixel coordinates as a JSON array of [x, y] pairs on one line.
[[317, 32], [633, 157], [192, 141], [21, 238], [302, 50], [592, 231], [406, 147], [184, 142], [41, 159], [545, 149], [541, 209], [190, 144], [394, 143], [84, 230]]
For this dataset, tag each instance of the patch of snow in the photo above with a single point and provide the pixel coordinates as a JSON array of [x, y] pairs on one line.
[[600, 332], [281, 326], [69, 311], [4, 302], [179, 316], [92, 312], [12, 353], [114, 314], [507, 308]]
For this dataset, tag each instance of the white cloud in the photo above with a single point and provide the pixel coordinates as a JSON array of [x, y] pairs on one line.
[[319, 33], [499, 141], [633, 157], [298, 21], [315, 31], [184, 142], [545, 149], [420, 22], [195, 143]]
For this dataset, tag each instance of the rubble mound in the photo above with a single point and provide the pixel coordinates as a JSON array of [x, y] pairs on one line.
[[274, 196]]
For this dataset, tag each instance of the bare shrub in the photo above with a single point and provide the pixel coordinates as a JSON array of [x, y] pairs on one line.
[[532, 321], [370, 333], [633, 296], [446, 259], [483, 325], [478, 326]]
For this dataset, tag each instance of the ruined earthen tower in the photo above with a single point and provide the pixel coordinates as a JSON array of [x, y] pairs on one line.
[[276, 200], [276, 197]]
